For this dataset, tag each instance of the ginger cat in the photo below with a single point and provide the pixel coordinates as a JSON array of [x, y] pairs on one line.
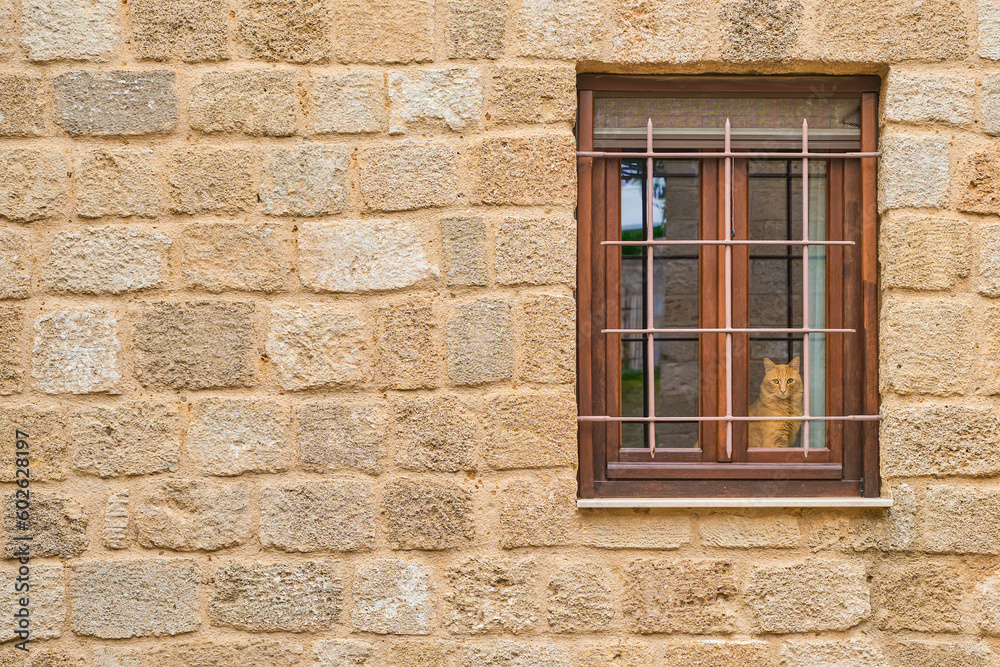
[[780, 395]]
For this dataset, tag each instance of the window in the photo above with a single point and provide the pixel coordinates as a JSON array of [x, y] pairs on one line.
[[727, 276]]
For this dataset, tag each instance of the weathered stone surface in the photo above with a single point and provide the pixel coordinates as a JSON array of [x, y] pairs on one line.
[[490, 596], [924, 253], [533, 95], [958, 519], [413, 652], [338, 435], [260, 597], [207, 180], [694, 597], [114, 656], [189, 515], [47, 601], [578, 600], [261, 103], [77, 352], [475, 28], [296, 31], [15, 256], [749, 530], [319, 346], [135, 598], [426, 167], [306, 180], [560, 29], [913, 171], [452, 97], [893, 531], [131, 439], [988, 261], [243, 653], [917, 337], [715, 653], [989, 29], [526, 170], [939, 440], [943, 653], [118, 529], [465, 251], [631, 528], [107, 260], [231, 437], [853, 652], [988, 366], [921, 595], [809, 596], [393, 597], [116, 102], [986, 601], [340, 652], [537, 251], [22, 99], [354, 102], [190, 30], [420, 514], [531, 429], [370, 31], [364, 255], [318, 516], [121, 182], [681, 32], [479, 341], [977, 183], [32, 184], [408, 346], [546, 327], [509, 654], [56, 524], [222, 256], [621, 653], [69, 30], [536, 512], [11, 349], [915, 98], [435, 432], [47, 442], [753, 31]]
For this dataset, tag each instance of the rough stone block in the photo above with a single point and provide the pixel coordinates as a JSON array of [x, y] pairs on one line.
[[116, 102], [988, 365], [536, 512], [533, 95], [986, 601], [853, 652], [452, 97], [620, 652], [261, 103], [232, 256], [958, 519], [306, 180], [230, 437], [913, 171], [988, 262], [364, 255], [749, 530], [194, 345], [921, 595], [118, 529], [113, 656], [632, 528], [190, 515], [989, 29], [242, 653], [531, 429], [354, 102], [689, 596], [489, 596], [914, 98], [475, 28], [77, 352], [536, 251], [578, 600], [917, 338], [130, 439], [465, 251], [509, 654], [121, 182], [546, 326], [107, 260], [808, 597], [989, 105], [393, 597], [977, 183], [435, 432], [755, 31], [206, 180], [47, 600], [11, 349], [939, 440], [15, 258], [895, 530], [57, 526], [420, 514], [47, 442], [560, 29], [370, 31], [944, 653], [189, 30], [924, 253], [301, 597], [342, 435], [715, 653], [23, 100], [479, 342], [681, 32], [319, 346], [318, 516], [32, 184], [340, 652], [427, 168], [527, 170], [296, 31], [408, 346], [69, 30], [135, 598]]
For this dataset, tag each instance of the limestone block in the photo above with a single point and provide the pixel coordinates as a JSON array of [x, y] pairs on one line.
[[77, 352], [32, 184], [194, 345], [986, 601], [428, 169], [716, 653], [989, 30], [479, 342], [809, 596], [509, 654], [260, 103], [435, 432], [977, 183], [672, 595], [912, 594], [47, 442], [560, 29], [988, 262], [296, 31], [895, 530], [749, 530], [121, 182], [579, 601], [306, 180], [913, 171], [494, 595], [531, 429], [118, 528], [681, 32], [23, 100], [420, 514], [234, 256], [546, 326], [465, 251], [11, 349], [475, 28], [413, 652], [319, 346], [107, 260], [958, 519], [207, 180], [952, 653], [914, 98], [301, 597], [189, 30], [130, 439], [536, 251], [135, 598], [369, 31], [57, 526], [988, 365], [753, 31], [452, 97], [924, 253], [621, 653], [355, 102], [393, 597], [630, 528], [190, 515], [69, 30], [533, 95], [989, 106], [47, 601], [853, 652], [338, 652], [15, 256], [338, 435], [242, 653], [234, 436], [536, 512], [115, 102], [9, 36], [527, 170], [318, 516], [938, 441], [114, 656], [408, 346], [917, 337]]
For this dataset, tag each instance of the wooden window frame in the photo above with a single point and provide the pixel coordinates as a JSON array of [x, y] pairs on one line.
[[850, 466]]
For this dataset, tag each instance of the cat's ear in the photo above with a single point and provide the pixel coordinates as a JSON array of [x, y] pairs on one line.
[[769, 365], [794, 364]]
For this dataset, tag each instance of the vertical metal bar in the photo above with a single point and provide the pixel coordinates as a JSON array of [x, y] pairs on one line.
[[729, 294], [805, 287], [651, 276]]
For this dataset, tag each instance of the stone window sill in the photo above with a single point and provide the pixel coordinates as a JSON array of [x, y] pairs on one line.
[[733, 502]]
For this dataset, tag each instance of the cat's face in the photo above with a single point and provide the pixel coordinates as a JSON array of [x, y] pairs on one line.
[[781, 380]]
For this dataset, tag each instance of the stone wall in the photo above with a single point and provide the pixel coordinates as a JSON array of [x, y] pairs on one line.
[[287, 310]]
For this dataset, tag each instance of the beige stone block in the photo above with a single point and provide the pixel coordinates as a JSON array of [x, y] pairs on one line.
[[989, 29], [916, 98], [413, 652], [194, 345], [107, 260], [23, 100], [47, 442], [296, 31], [234, 256], [260, 103], [241, 653], [306, 180], [475, 28], [988, 365], [319, 346], [188, 30], [531, 429], [560, 29], [526, 170], [421, 514], [539, 511], [9, 35], [69, 30], [754, 31], [212, 180], [913, 171], [408, 345], [12, 364], [479, 342], [355, 102], [435, 432], [77, 352], [32, 184], [47, 600], [488, 596], [918, 339], [536, 251], [116, 102], [689, 596], [336, 515], [986, 602], [977, 184], [547, 335], [917, 594], [231, 437], [950, 653], [114, 656], [958, 519], [450, 97], [579, 600], [465, 254], [621, 653], [258, 597], [749, 530], [988, 261], [342, 435], [938, 441], [510, 654], [533, 95], [15, 258], [717, 653], [393, 597], [630, 528], [121, 182], [892, 530], [853, 652], [369, 31], [924, 253], [192, 515], [118, 530], [135, 598], [815, 595], [681, 32], [56, 525], [428, 168], [989, 106], [338, 652], [130, 439]]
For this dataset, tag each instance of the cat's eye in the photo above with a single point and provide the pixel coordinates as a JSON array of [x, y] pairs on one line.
[[774, 381], [790, 380]]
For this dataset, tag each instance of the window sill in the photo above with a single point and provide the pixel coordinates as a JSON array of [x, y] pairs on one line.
[[733, 502]]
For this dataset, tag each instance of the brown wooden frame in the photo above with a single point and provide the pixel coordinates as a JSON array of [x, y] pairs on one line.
[[849, 465]]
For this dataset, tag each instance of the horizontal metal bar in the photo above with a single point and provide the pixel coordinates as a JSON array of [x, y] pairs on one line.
[[725, 330], [736, 502], [723, 154], [686, 242], [834, 418]]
